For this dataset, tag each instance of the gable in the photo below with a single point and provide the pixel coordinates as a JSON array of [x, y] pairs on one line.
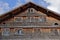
[[24, 19], [21, 9], [27, 14], [33, 13]]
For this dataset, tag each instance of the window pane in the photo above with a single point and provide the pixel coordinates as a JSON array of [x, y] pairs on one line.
[[18, 19], [42, 19], [6, 32], [19, 32], [31, 10]]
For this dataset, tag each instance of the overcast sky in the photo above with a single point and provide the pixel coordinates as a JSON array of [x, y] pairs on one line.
[[7, 5]]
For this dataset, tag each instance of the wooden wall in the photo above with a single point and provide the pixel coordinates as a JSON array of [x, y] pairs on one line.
[[28, 30]]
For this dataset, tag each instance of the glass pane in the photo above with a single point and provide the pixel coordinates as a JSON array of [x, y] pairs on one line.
[[54, 31], [18, 19], [6, 32], [19, 32], [32, 19], [31, 10]]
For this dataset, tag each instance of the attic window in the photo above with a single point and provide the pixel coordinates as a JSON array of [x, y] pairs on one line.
[[30, 10], [56, 24]]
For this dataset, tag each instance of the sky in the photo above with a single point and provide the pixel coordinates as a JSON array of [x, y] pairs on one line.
[[8, 5]]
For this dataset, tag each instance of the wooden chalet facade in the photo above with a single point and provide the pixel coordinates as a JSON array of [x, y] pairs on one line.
[[30, 19]]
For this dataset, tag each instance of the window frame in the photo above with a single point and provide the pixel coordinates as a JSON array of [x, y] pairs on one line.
[[6, 30], [19, 20]]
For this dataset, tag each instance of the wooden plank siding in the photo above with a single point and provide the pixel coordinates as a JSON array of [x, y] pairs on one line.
[[28, 30]]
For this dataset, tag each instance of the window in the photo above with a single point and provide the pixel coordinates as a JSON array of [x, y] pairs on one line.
[[19, 32], [30, 10], [18, 19], [42, 19], [30, 19], [36, 19], [6, 32], [24, 18], [54, 31]]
